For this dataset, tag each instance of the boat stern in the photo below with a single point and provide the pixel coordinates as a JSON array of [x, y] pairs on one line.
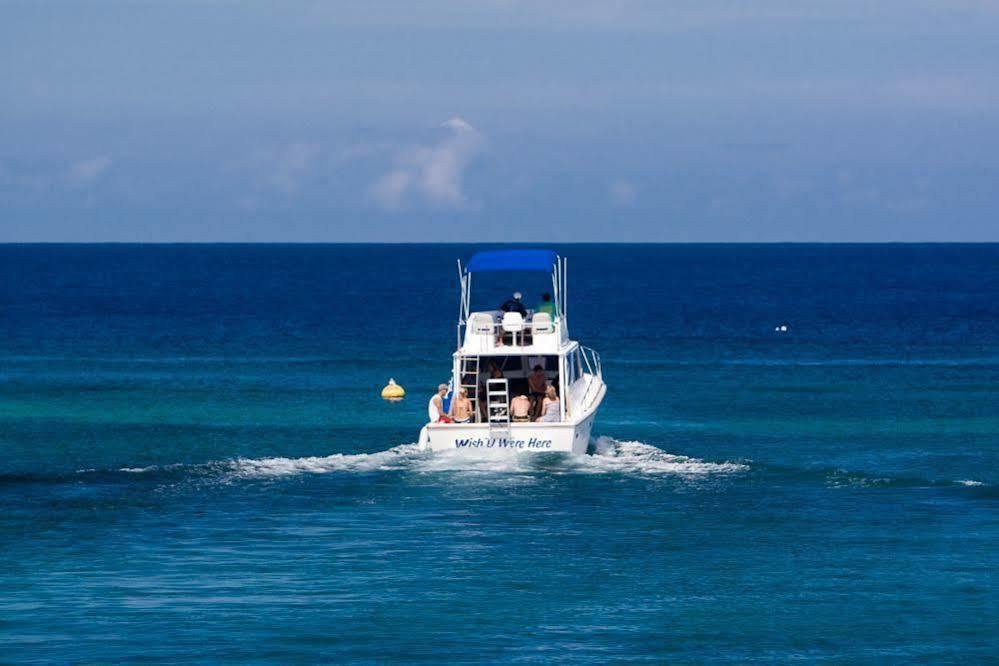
[[537, 437]]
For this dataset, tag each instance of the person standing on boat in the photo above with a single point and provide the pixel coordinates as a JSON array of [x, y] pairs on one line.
[[514, 305], [538, 382], [435, 408]]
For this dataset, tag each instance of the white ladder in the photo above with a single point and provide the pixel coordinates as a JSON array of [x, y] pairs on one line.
[[498, 393], [498, 402], [470, 367]]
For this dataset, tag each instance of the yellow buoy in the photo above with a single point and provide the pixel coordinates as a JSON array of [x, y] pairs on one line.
[[393, 391]]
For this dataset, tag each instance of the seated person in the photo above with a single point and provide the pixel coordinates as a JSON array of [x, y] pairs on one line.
[[511, 305], [435, 408], [546, 305], [461, 409], [538, 383], [520, 409], [514, 305], [549, 407]]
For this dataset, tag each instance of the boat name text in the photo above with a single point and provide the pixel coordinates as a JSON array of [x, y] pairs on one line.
[[504, 443]]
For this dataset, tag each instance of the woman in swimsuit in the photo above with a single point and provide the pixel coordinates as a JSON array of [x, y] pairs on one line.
[[462, 408], [550, 407]]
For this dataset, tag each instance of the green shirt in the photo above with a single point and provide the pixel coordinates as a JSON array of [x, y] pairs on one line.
[[548, 307]]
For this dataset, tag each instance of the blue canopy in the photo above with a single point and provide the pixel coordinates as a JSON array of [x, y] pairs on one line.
[[512, 260]]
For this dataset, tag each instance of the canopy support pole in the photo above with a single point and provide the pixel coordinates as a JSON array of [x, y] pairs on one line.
[[565, 292], [462, 309], [555, 291]]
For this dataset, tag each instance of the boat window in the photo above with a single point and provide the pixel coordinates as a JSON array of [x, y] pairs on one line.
[[573, 367], [571, 372]]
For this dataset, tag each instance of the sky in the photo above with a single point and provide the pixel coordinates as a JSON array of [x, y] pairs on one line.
[[499, 121]]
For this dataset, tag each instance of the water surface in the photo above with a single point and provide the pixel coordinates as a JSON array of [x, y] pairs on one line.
[[196, 465]]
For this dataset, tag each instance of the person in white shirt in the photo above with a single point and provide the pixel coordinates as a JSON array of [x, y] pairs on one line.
[[435, 408]]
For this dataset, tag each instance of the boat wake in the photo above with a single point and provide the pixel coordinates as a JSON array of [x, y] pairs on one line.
[[397, 458], [609, 456]]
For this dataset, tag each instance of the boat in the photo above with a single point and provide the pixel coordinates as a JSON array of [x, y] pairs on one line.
[[516, 343]]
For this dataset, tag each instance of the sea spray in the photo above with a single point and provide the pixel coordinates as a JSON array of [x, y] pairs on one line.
[[610, 457]]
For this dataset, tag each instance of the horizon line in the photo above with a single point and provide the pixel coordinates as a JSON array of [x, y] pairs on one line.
[[509, 243]]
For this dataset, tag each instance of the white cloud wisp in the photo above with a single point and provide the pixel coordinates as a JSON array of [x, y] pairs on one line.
[[433, 174], [87, 172]]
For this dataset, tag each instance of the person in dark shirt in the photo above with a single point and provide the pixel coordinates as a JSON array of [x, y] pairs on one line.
[[514, 305]]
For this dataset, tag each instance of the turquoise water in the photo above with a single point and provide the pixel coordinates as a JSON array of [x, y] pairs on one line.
[[196, 465]]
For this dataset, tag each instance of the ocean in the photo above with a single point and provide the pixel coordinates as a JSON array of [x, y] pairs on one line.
[[197, 467]]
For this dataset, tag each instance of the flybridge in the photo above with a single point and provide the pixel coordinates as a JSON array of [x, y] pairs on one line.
[[536, 260]]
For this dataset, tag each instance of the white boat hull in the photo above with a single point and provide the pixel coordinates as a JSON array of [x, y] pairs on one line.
[[567, 437]]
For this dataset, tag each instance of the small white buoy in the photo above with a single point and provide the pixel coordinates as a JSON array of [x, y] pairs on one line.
[[781, 329], [393, 392]]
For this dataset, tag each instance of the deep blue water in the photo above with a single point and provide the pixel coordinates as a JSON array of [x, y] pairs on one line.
[[196, 465]]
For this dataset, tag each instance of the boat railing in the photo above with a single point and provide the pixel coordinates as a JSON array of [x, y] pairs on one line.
[[592, 361]]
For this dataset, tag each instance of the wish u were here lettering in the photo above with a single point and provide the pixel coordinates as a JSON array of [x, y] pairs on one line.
[[503, 443]]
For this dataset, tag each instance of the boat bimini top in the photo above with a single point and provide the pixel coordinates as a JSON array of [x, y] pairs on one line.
[[513, 260], [537, 260]]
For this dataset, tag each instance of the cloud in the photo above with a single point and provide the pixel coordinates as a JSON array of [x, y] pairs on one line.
[[291, 163], [282, 167], [87, 172], [432, 174], [457, 124], [389, 190], [623, 193]]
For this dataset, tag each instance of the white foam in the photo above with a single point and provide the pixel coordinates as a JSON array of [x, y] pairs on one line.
[[151, 468], [610, 457], [970, 482], [397, 457]]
